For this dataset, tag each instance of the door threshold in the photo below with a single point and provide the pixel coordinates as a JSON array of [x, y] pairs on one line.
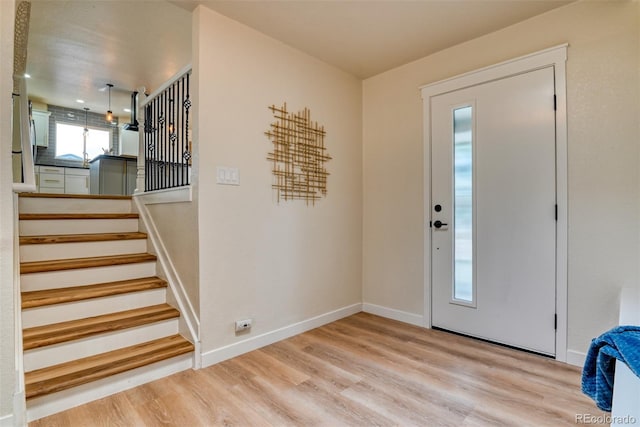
[[548, 356]]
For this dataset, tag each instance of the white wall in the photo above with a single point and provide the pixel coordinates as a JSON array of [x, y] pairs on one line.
[[603, 88], [177, 226], [7, 325], [276, 263]]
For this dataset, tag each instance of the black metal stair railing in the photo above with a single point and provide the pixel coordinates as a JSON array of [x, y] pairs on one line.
[[167, 137]]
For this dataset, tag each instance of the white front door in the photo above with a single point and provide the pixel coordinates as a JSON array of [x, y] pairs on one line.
[[493, 230]]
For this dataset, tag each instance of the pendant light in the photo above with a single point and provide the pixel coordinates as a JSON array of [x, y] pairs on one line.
[[109, 116], [86, 129], [85, 155]]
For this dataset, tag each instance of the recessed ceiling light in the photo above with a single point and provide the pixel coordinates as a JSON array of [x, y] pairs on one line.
[[79, 101], [27, 76], [127, 110]]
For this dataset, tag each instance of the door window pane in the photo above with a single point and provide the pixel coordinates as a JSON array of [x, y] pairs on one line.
[[463, 204]]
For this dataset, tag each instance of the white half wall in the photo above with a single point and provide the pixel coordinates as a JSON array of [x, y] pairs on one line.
[[177, 226], [7, 312], [276, 263]]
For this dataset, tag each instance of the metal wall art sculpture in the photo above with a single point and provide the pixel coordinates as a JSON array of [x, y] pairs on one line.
[[298, 156]]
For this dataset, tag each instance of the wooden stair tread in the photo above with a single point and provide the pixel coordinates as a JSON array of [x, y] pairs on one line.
[[56, 216], [46, 297], [70, 374], [73, 263], [74, 196], [74, 238], [40, 336]]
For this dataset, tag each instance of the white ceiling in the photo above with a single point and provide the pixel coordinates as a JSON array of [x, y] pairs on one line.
[[77, 46], [367, 37]]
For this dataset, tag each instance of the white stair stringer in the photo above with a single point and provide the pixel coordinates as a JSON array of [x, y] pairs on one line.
[[51, 251], [57, 402], [86, 276], [42, 357], [56, 313]]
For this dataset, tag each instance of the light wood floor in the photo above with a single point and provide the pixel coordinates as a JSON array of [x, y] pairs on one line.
[[360, 371]]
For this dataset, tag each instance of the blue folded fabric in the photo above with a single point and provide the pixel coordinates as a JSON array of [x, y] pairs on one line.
[[622, 343]]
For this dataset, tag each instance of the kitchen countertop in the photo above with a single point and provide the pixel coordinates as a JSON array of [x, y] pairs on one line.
[[112, 156], [61, 166]]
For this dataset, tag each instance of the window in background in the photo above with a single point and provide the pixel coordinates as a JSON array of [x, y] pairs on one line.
[[69, 141]]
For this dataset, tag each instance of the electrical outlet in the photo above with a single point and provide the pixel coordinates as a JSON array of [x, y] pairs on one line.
[[243, 325]]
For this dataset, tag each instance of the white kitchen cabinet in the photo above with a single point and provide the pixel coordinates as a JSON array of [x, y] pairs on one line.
[[76, 181], [41, 127], [60, 180], [128, 143], [50, 179]]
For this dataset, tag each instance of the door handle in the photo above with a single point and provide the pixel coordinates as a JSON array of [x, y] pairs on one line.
[[439, 224]]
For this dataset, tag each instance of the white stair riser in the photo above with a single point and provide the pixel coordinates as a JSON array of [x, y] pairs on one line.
[[56, 313], [76, 226], [51, 251], [70, 205], [57, 402], [85, 276], [64, 352]]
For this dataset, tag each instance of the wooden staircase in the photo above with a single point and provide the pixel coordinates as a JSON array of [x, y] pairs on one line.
[[93, 310]]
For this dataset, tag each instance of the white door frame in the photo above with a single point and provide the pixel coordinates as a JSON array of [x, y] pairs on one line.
[[555, 56]]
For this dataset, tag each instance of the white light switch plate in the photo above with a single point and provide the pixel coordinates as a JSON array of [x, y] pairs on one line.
[[227, 176]]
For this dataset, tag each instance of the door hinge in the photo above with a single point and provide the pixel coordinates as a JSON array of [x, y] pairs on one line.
[[555, 102], [556, 211], [555, 322]]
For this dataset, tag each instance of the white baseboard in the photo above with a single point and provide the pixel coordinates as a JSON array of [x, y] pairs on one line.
[[576, 358], [232, 350], [57, 402], [7, 421], [19, 408], [392, 313]]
